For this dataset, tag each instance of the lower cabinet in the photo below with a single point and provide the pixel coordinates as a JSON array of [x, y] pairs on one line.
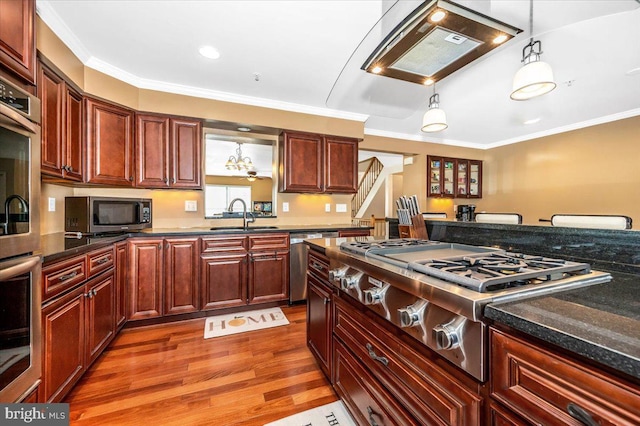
[[319, 311], [544, 387], [163, 277], [100, 315], [121, 284], [224, 280]]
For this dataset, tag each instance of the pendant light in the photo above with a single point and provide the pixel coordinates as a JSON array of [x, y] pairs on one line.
[[535, 78], [434, 119]]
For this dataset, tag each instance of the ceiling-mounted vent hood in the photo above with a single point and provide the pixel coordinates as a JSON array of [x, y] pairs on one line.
[[437, 39]]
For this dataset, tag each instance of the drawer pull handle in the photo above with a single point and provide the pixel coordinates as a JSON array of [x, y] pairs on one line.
[[317, 266], [581, 415], [381, 359], [67, 276], [371, 413], [102, 260], [326, 300]]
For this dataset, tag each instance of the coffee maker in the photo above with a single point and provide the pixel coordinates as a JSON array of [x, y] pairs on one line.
[[466, 212]]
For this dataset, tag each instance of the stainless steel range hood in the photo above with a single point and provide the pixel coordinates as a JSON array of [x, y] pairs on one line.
[[437, 39]]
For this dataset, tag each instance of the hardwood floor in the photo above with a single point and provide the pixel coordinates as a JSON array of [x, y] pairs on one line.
[[169, 374]]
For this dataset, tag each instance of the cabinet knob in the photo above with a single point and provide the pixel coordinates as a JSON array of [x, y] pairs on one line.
[[165, 180], [173, 180], [130, 178]]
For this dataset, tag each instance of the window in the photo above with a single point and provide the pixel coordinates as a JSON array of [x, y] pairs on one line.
[[218, 197]]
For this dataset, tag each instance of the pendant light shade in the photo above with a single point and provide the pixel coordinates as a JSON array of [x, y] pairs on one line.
[[434, 119], [535, 78]]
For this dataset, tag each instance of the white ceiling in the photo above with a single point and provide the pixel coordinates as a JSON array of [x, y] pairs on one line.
[[308, 56]]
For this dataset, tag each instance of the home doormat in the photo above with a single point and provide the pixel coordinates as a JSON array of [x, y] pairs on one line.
[[334, 414], [224, 325]]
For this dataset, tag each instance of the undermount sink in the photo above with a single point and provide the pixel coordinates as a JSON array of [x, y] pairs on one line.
[[240, 228]]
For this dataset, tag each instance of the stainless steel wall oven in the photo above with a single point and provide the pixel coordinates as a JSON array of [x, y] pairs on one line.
[[20, 261]]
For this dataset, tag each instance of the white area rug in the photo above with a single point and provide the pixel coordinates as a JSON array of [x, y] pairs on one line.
[[224, 325], [334, 414]]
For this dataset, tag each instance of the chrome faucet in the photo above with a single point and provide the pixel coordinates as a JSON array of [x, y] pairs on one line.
[[23, 203], [245, 221]]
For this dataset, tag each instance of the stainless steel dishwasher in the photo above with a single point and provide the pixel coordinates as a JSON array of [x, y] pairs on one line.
[[298, 263]]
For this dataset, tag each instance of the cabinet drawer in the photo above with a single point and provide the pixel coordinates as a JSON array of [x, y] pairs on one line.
[[318, 265], [269, 242], [99, 260], [540, 386], [61, 276], [429, 393], [368, 402], [234, 243]]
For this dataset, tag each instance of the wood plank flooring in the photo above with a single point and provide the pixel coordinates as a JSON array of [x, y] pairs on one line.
[[170, 375]]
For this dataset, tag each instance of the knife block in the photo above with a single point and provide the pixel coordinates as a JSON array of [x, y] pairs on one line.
[[417, 229]]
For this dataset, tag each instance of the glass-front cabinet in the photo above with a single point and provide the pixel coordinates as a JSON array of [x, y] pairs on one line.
[[454, 177]]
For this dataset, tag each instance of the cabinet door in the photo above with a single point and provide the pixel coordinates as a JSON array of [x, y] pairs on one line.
[[341, 165], [145, 278], [17, 37], [63, 345], [152, 151], [73, 145], [268, 277], [185, 158], [109, 130], [181, 291], [319, 322], [434, 176], [51, 92], [100, 315], [475, 179], [462, 179], [121, 279], [301, 162], [224, 280]]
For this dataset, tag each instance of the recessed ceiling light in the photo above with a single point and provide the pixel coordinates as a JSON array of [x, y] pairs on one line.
[[209, 52], [500, 39], [437, 16], [429, 82], [376, 70], [244, 129], [533, 120], [634, 71]]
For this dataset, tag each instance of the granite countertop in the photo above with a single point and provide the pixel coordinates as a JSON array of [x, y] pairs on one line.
[[56, 246], [601, 322]]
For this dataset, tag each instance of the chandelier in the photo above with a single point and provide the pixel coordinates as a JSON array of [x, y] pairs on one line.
[[238, 162]]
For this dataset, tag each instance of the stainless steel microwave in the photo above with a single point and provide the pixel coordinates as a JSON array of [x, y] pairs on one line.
[[97, 215]]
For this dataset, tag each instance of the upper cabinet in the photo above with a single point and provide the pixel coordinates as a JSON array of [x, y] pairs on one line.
[[454, 177], [317, 163], [61, 127], [17, 38], [168, 152], [109, 138]]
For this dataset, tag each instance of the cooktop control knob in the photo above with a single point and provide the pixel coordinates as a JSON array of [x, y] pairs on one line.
[[412, 314], [336, 274], [375, 295], [349, 281], [447, 336]]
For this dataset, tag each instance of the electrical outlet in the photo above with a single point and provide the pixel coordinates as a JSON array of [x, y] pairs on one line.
[[191, 206], [341, 208], [327, 207], [52, 204], [285, 207]]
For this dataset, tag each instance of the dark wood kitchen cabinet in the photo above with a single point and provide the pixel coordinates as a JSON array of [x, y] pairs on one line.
[[542, 386], [163, 277], [145, 278], [244, 269], [18, 38], [77, 323], [319, 311], [168, 152], [454, 177], [181, 275], [62, 144], [109, 142], [311, 163], [121, 284]]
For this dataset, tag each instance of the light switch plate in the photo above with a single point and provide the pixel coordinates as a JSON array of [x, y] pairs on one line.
[[327, 207], [341, 208], [52, 204], [191, 206], [285, 207]]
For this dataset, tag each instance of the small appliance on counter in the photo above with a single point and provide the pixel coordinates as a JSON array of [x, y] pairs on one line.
[[466, 212], [97, 215]]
